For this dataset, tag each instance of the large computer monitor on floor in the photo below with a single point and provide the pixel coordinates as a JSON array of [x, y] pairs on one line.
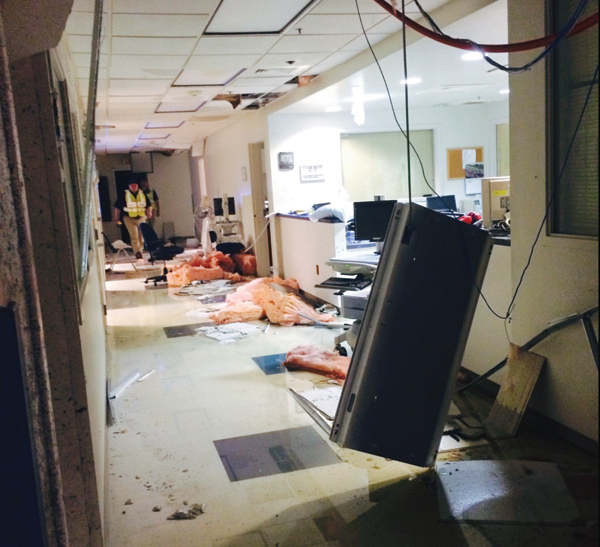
[[397, 394]]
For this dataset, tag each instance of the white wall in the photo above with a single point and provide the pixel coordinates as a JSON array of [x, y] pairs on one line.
[[172, 181], [317, 137], [226, 158], [563, 277]]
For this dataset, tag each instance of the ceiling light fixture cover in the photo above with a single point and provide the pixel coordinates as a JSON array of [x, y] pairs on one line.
[[472, 56], [411, 81], [256, 17]]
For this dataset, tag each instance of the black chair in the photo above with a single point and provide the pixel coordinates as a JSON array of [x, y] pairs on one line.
[[158, 251]]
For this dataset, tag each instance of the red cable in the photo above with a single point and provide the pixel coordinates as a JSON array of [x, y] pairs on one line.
[[489, 48]]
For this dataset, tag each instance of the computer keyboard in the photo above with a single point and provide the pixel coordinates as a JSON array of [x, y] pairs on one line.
[[345, 283]]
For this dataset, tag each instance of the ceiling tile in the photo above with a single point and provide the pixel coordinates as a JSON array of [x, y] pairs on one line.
[[233, 45], [286, 60], [214, 69], [229, 62], [334, 59], [86, 5], [175, 26], [80, 22], [311, 44], [208, 77], [84, 72], [335, 24], [186, 99], [250, 88], [82, 60], [257, 16], [165, 6], [146, 66], [270, 81], [347, 6], [138, 88], [390, 25], [360, 42], [140, 99], [80, 44], [154, 135], [122, 45], [167, 121]]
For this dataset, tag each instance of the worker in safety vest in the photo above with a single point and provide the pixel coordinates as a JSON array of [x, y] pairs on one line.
[[133, 208]]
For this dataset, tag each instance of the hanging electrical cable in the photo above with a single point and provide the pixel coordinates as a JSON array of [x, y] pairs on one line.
[[557, 182], [461, 43], [514, 70]]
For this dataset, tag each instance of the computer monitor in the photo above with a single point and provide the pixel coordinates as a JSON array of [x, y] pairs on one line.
[[408, 352], [495, 200], [218, 206], [442, 204], [371, 219]]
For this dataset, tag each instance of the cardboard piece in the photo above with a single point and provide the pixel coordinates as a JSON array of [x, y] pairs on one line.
[[522, 371]]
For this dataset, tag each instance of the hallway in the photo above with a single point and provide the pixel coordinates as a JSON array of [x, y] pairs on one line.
[[161, 450]]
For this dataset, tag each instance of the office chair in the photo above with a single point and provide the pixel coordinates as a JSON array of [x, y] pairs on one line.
[[118, 246], [158, 251]]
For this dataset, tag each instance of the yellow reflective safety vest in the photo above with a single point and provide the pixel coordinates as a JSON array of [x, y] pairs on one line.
[[135, 206]]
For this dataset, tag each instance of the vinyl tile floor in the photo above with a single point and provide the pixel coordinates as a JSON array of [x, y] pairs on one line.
[[162, 455]]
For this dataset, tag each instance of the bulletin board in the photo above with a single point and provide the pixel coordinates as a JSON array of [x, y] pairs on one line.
[[455, 160]]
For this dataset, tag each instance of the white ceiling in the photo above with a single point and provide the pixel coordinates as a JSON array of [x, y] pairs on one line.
[[160, 75]]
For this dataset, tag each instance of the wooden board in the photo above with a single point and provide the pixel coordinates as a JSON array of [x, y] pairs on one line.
[[455, 166], [522, 371]]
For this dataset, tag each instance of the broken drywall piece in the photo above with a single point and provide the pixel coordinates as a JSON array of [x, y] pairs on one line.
[[228, 332], [188, 513]]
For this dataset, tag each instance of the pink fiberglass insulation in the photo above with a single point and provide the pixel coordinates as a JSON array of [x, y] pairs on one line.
[[185, 274], [317, 360], [280, 307], [238, 311]]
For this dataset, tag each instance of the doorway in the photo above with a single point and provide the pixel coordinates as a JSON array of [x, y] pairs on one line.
[[261, 208]]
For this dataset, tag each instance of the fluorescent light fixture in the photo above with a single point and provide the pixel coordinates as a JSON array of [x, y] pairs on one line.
[[411, 81], [333, 108], [472, 56], [504, 91], [256, 17]]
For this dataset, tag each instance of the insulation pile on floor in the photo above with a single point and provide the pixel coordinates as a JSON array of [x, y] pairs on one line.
[[317, 360], [199, 268], [267, 296]]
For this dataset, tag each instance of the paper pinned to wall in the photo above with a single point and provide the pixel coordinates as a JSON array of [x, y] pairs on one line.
[[469, 156], [472, 186]]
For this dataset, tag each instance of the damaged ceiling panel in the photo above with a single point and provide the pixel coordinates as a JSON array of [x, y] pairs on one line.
[[173, 57]]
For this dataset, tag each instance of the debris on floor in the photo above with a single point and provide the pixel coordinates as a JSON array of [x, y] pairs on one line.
[[317, 360], [157, 509], [229, 332], [128, 502], [199, 268], [188, 513], [274, 297]]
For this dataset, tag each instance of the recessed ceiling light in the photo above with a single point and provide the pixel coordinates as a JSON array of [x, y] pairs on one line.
[[472, 56], [504, 91], [333, 108], [257, 17], [411, 81]]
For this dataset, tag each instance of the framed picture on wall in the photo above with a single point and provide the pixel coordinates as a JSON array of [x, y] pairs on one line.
[[312, 173]]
